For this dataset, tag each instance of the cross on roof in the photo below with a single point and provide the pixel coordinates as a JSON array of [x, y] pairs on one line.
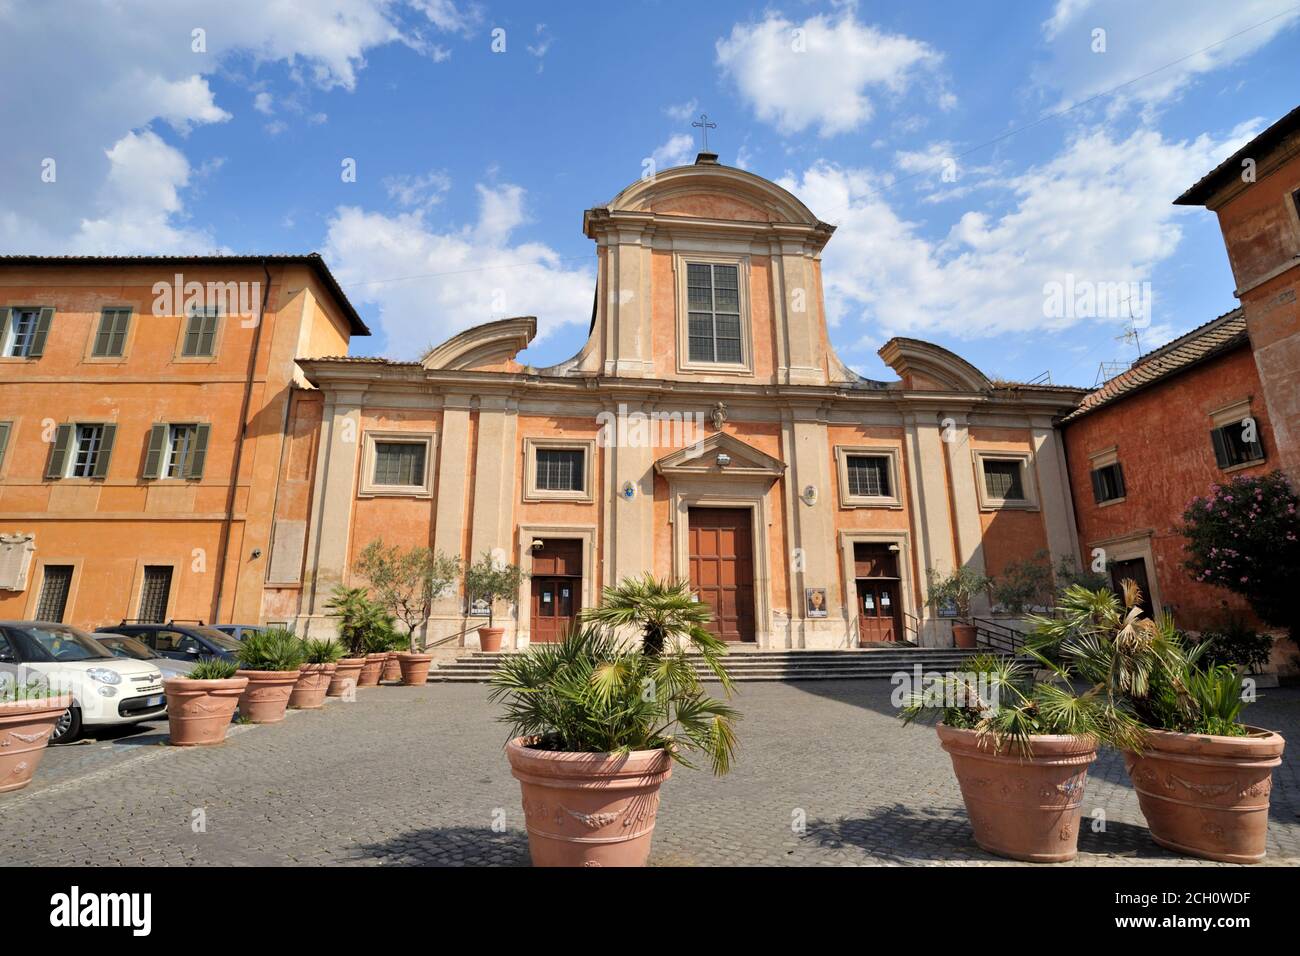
[[704, 126]]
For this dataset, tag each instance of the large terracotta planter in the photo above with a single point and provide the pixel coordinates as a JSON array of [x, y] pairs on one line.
[[345, 676], [392, 668], [199, 711], [585, 809], [963, 635], [313, 682], [1024, 807], [266, 697], [489, 638], [415, 668], [371, 670], [1207, 796], [25, 728]]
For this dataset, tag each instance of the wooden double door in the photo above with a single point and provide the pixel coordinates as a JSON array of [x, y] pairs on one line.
[[557, 590], [721, 552], [880, 613]]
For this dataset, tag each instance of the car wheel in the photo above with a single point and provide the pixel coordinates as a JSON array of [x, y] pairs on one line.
[[69, 726]]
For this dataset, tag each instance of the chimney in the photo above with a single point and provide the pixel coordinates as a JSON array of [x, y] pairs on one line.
[[706, 159]]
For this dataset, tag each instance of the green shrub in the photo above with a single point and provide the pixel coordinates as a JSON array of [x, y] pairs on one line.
[[364, 626], [213, 668], [315, 651], [1238, 645], [1024, 584], [274, 650]]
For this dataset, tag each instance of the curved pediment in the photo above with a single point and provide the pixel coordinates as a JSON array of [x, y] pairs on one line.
[[486, 346], [711, 191], [925, 366]]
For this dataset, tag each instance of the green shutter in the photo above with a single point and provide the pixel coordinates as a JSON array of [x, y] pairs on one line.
[[4, 323], [198, 452], [1120, 490], [191, 346], [1220, 443], [105, 452], [1098, 493], [59, 452], [154, 455], [42, 332], [4, 440]]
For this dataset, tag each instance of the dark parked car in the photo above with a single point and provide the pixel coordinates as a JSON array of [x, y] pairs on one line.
[[179, 641], [122, 646]]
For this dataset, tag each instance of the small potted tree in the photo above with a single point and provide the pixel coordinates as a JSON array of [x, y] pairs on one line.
[[406, 583], [596, 724], [359, 618], [489, 581], [201, 704], [320, 660], [28, 714], [956, 591], [270, 660]]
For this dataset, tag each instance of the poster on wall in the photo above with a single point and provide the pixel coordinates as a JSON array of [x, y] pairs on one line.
[[815, 599]]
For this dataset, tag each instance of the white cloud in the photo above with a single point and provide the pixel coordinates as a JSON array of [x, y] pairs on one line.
[[1100, 210], [819, 72], [1142, 37], [482, 274], [448, 17], [675, 152], [538, 49], [262, 102], [682, 111], [417, 191]]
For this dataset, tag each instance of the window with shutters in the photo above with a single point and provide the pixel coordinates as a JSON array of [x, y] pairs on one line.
[[56, 583], [24, 330], [181, 442], [713, 327], [558, 469], [200, 334], [397, 463], [177, 451], [1237, 444], [81, 450], [1003, 480], [154, 593], [1108, 483], [110, 337], [85, 452], [868, 477], [5, 429]]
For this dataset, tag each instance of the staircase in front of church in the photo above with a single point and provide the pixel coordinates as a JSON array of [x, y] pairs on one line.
[[792, 665]]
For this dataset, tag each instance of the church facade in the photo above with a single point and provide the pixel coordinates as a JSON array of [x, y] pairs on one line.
[[706, 430]]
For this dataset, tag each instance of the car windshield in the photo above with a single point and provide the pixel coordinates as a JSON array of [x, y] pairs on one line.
[[122, 646], [215, 637], [64, 643]]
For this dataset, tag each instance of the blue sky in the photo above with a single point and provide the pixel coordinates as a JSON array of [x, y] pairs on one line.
[[474, 166]]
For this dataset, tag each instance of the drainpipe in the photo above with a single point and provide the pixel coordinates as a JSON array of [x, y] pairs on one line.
[[228, 520]]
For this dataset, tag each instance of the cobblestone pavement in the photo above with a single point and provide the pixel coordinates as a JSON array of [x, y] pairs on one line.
[[417, 776]]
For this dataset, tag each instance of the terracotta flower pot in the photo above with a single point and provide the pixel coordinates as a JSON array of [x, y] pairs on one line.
[[1207, 796], [345, 676], [1024, 807], [585, 809], [963, 635], [25, 728], [489, 638], [266, 697], [199, 711], [371, 670], [392, 669], [313, 682], [415, 668]]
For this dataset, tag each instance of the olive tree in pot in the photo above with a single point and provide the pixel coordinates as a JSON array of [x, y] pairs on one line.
[[1020, 748], [201, 704], [271, 660], [491, 580], [28, 714], [406, 582], [1202, 776], [596, 724], [320, 660], [956, 590]]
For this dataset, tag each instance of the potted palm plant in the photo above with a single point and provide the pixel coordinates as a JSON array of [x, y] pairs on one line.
[[489, 581], [320, 660], [270, 660], [1202, 776], [359, 618], [596, 724], [956, 591], [1020, 748], [28, 714], [201, 704]]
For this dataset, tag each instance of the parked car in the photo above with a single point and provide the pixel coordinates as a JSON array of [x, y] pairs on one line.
[[239, 631], [178, 641], [106, 690], [122, 646]]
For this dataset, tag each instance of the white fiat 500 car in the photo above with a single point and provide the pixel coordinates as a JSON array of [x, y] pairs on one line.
[[105, 689]]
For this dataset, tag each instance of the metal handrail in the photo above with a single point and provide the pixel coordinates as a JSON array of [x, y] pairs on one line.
[[998, 636], [450, 637]]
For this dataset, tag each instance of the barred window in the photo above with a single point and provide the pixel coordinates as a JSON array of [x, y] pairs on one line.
[[713, 304], [399, 463], [55, 586], [868, 475], [110, 339], [560, 469], [1002, 479], [154, 593]]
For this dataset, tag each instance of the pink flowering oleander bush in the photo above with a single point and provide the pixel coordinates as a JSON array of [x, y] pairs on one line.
[[1245, 536]]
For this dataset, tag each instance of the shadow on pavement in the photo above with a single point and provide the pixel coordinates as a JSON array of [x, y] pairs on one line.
[[450, 846]]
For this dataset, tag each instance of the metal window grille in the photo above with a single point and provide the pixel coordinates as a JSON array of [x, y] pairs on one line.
[[1002, 480], [399, 463], [54, 592], [713, 321], [154, 593], [868, 475], [559, 469]]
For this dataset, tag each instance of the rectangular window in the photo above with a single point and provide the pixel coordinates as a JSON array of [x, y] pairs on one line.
[[20, 335], [868, 476], [54, 592], [560, 469], [1107, 483], [713, 304], [110, 339], [154, 593], [180, 446], [399, 463], [87, 447], [1002, 479], [200, 334], [1237, 443]]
